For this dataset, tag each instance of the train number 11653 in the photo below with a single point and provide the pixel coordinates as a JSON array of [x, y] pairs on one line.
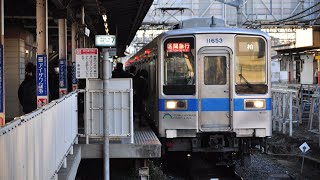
[[214, 40]]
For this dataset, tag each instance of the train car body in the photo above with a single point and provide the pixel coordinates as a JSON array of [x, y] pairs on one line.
[[209, 88]]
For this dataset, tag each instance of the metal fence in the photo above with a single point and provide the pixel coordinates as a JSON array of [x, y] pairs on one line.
[[35, 146], [285, 108], [120, 110]]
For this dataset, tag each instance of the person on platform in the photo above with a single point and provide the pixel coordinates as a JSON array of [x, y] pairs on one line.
[[141, 95], [119, 72], [27, 92]]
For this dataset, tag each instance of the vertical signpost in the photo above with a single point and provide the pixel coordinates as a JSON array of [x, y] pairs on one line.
[[42, 81], [2, 92], [42, 50], [106, 41], [74, 46], [2, 117]]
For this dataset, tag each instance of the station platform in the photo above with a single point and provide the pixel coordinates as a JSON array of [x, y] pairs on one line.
[[146, 145]]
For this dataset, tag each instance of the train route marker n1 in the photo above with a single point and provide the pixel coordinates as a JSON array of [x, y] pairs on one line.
[[304, 147]]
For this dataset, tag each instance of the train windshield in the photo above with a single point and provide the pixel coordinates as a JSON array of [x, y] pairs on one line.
[[251, 65], [179, 66]]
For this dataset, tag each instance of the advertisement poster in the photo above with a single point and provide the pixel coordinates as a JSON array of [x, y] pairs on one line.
[[42, 80], [74, 78], [63, 83]]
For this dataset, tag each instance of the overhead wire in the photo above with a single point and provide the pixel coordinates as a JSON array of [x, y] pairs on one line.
[[283, 20], [304, 16]]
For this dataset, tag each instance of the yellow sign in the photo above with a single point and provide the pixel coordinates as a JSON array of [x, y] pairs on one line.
[[317, 58]]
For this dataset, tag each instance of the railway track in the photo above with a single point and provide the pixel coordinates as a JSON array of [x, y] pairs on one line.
[[179, 166]]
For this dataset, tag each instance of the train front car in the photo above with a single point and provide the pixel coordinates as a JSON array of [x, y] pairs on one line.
[[214, 94]]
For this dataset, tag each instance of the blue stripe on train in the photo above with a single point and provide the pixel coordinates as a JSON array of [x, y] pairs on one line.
[[215, 104]]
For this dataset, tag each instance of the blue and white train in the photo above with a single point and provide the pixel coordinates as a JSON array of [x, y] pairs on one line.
[[209, 89]]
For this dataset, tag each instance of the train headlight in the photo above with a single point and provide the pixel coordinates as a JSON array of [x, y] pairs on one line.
[[255, 104], [176, 104]]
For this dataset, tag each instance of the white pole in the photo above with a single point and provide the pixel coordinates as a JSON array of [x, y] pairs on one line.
[[106, 77]]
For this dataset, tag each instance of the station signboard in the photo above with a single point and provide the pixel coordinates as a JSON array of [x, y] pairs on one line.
[[87, 63], [105, 40], [63, 83], [42, 80], [74, 78]]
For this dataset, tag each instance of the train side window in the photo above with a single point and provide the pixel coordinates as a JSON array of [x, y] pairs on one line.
[[215, 70]]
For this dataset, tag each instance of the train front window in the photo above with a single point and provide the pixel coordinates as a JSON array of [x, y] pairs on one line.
[[251, 65], [179, 66]]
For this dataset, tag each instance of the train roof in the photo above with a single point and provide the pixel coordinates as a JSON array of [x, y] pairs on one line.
[[219, 30], [204, 30]]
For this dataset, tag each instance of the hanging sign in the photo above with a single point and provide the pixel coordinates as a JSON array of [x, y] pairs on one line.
[[2, 115], [105, 40], [42, 80], [63, 83]]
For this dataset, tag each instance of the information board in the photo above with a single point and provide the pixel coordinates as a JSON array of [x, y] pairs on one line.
[[87, 63]]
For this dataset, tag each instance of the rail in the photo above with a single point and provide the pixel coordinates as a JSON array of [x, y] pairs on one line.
[[35, 146]]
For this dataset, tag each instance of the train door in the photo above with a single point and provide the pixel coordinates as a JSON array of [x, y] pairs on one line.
[[214, 89]]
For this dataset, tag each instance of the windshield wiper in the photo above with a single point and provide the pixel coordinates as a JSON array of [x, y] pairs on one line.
[[245, 80]]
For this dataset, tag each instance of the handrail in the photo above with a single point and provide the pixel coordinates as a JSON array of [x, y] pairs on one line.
[[34, 146]]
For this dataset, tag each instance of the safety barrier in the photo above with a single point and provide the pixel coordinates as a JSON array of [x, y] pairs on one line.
[[120, 110], [314, 116], [35, 146], [285, 107]]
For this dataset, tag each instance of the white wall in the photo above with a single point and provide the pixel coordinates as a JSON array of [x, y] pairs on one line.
[[307, 71], [275, 71]]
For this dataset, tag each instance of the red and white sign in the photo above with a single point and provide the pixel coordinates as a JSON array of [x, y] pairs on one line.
[[74, 87], [82, 51], [2, 121], [62, 92], [178, 47], [42, 101], [87, 63]]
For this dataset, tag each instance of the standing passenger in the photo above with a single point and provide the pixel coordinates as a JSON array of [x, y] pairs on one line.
[[119, 72], [141, 95], [27, 92], [132, 71]]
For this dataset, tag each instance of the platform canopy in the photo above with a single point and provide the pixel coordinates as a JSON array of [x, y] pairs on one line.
[[124, 17]]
